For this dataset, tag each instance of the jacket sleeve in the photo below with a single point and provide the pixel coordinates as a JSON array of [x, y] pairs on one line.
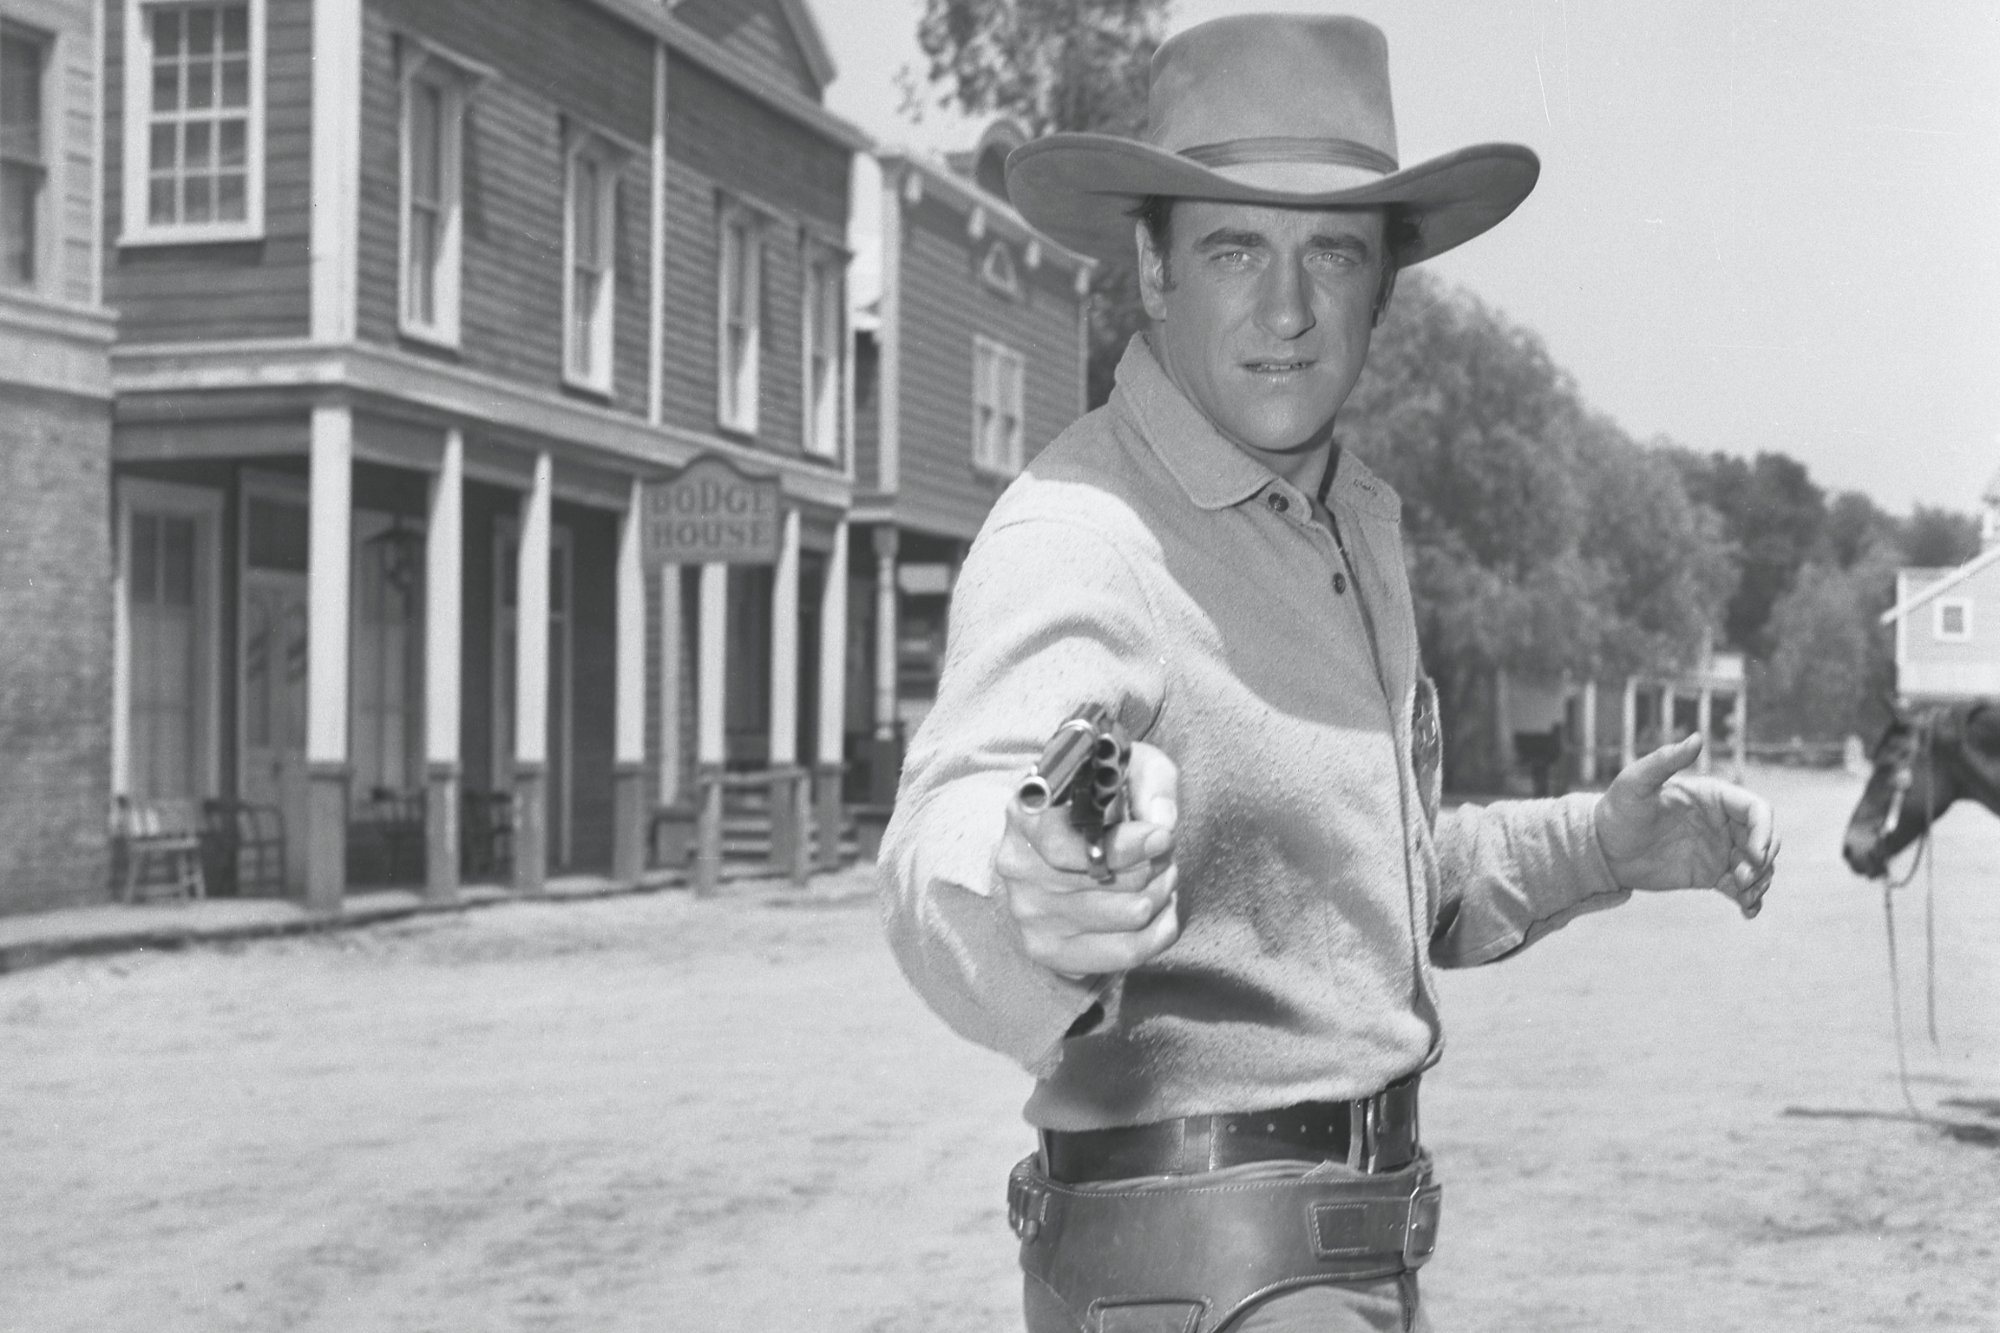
[[1046, 617], [1511, 872]]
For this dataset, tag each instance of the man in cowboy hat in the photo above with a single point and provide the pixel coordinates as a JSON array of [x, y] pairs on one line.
[[1227, 1038]]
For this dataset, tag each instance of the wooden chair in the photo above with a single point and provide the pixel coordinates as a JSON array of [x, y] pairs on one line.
[[159, 842]]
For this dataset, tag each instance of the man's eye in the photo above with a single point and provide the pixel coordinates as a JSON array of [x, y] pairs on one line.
[[1232, 258], [1336, 260]]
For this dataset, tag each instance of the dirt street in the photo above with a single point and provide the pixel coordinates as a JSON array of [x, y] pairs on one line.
[[650, 1113]]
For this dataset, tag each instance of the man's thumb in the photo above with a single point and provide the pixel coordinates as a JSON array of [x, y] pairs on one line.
[[1651, 772]]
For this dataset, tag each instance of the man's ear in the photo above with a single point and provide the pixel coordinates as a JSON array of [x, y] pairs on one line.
[[1382, 297], [1152, 272]]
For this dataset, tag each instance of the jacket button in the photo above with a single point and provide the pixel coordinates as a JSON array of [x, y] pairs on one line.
[[1339, 582], [1279, 504]]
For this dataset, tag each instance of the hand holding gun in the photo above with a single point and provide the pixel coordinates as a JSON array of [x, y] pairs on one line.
[[1084, 766]]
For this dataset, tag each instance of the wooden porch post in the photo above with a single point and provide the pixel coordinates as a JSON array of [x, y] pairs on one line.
[[1587, 760], [444, 625], [711, 673], [788, 790], [531, 683], [628, 780], [1628, 723], [832, 699], [1703, 716], [330, 535]]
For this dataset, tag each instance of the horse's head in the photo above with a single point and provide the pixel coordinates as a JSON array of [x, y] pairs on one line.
[[1910, 786]]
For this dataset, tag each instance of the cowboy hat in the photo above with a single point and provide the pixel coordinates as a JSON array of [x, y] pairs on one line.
[[1285, 109]]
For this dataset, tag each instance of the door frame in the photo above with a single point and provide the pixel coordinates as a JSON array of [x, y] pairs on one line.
[[253, 484], [562, 820], [205, 506]]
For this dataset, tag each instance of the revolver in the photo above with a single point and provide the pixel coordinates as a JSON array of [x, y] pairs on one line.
[[1083, 766]]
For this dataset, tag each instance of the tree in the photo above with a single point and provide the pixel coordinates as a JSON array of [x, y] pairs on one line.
[[1936, 538], [1832, 662], [1053, 65], [1773, 513]]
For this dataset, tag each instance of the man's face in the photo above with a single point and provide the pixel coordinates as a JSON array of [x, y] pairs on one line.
[[1261, 316]]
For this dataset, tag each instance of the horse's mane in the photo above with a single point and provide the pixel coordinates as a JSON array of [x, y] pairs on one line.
[[1978, 728]]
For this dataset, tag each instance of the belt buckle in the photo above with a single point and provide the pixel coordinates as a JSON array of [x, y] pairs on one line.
[[1420, 1232]]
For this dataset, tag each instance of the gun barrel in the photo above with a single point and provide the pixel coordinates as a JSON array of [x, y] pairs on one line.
[[1073, 746]]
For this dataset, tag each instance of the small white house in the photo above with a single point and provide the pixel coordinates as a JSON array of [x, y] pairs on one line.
[[1948, 621]]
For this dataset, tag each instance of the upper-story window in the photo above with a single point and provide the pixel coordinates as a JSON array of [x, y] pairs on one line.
[[822, 346], [997, 270], [999, 376], [738, 317], [24, 166], [434, 93], [194, 120], [1953, 619], [590, 273]]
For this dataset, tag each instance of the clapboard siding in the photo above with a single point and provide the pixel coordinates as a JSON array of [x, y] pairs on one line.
[[72, 88], [944, 303], [567, 51], [723, 144], [511, 311], [759, 32], [246, 289]]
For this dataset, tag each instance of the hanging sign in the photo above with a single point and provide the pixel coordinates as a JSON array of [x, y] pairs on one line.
[[711, 514]]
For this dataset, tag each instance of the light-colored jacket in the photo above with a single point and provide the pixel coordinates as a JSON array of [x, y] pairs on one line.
[[1145, 562]]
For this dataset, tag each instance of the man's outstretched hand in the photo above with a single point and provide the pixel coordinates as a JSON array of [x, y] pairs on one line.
[[1687, 832], [1068, 922]]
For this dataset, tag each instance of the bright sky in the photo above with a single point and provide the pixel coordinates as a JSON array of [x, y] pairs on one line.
[[1761, 224]]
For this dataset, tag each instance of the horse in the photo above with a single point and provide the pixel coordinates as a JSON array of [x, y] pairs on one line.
[[1927, 759]]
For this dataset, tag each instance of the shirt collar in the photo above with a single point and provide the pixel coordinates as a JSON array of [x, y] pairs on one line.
[[1215, 473]]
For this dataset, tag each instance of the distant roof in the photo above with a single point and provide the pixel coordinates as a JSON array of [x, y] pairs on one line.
[[1949, 581]]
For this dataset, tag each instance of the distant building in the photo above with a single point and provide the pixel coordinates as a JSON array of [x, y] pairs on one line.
[[55, 458], [1947, 621], [418, 299], [969, 360]]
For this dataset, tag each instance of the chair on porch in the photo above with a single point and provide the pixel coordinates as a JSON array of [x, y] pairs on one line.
[[156, 847], [243, 845], [486, 834], [385, 842]]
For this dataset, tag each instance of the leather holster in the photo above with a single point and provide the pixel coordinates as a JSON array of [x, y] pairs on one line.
[[1212, 1245]]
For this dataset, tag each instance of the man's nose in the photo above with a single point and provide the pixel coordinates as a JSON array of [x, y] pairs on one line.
[[1284, 301]]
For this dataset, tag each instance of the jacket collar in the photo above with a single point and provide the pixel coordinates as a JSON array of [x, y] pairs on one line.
[[1213, 472]]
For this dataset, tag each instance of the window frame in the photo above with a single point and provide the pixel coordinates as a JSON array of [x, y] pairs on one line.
[[136, 224], [988, 355], [1938, 631], [736, 387], [998, 271], [421, 65], [608, 158], [822, 325], [41, 249]]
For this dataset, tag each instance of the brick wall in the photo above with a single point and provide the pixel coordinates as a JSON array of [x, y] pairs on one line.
[[55, 657]]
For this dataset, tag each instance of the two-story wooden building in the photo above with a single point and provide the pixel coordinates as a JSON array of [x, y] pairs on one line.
[[419, 299], [1947, 621], [969, 359], [55, 458]]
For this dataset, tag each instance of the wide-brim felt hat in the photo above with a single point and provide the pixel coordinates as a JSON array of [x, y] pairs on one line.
[[1275, 109]]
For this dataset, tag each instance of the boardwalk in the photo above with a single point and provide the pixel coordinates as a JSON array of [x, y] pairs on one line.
[[651, 1113]]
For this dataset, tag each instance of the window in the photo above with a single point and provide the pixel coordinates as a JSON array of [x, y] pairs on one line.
[[24, 170], [822, 342], [739, 308], [194, 122], [1953, 622], [591, 272], [998, 375], [998, 272], [434, 93]]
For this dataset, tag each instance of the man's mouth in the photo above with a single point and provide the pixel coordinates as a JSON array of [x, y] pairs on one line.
[[1285, 366]]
